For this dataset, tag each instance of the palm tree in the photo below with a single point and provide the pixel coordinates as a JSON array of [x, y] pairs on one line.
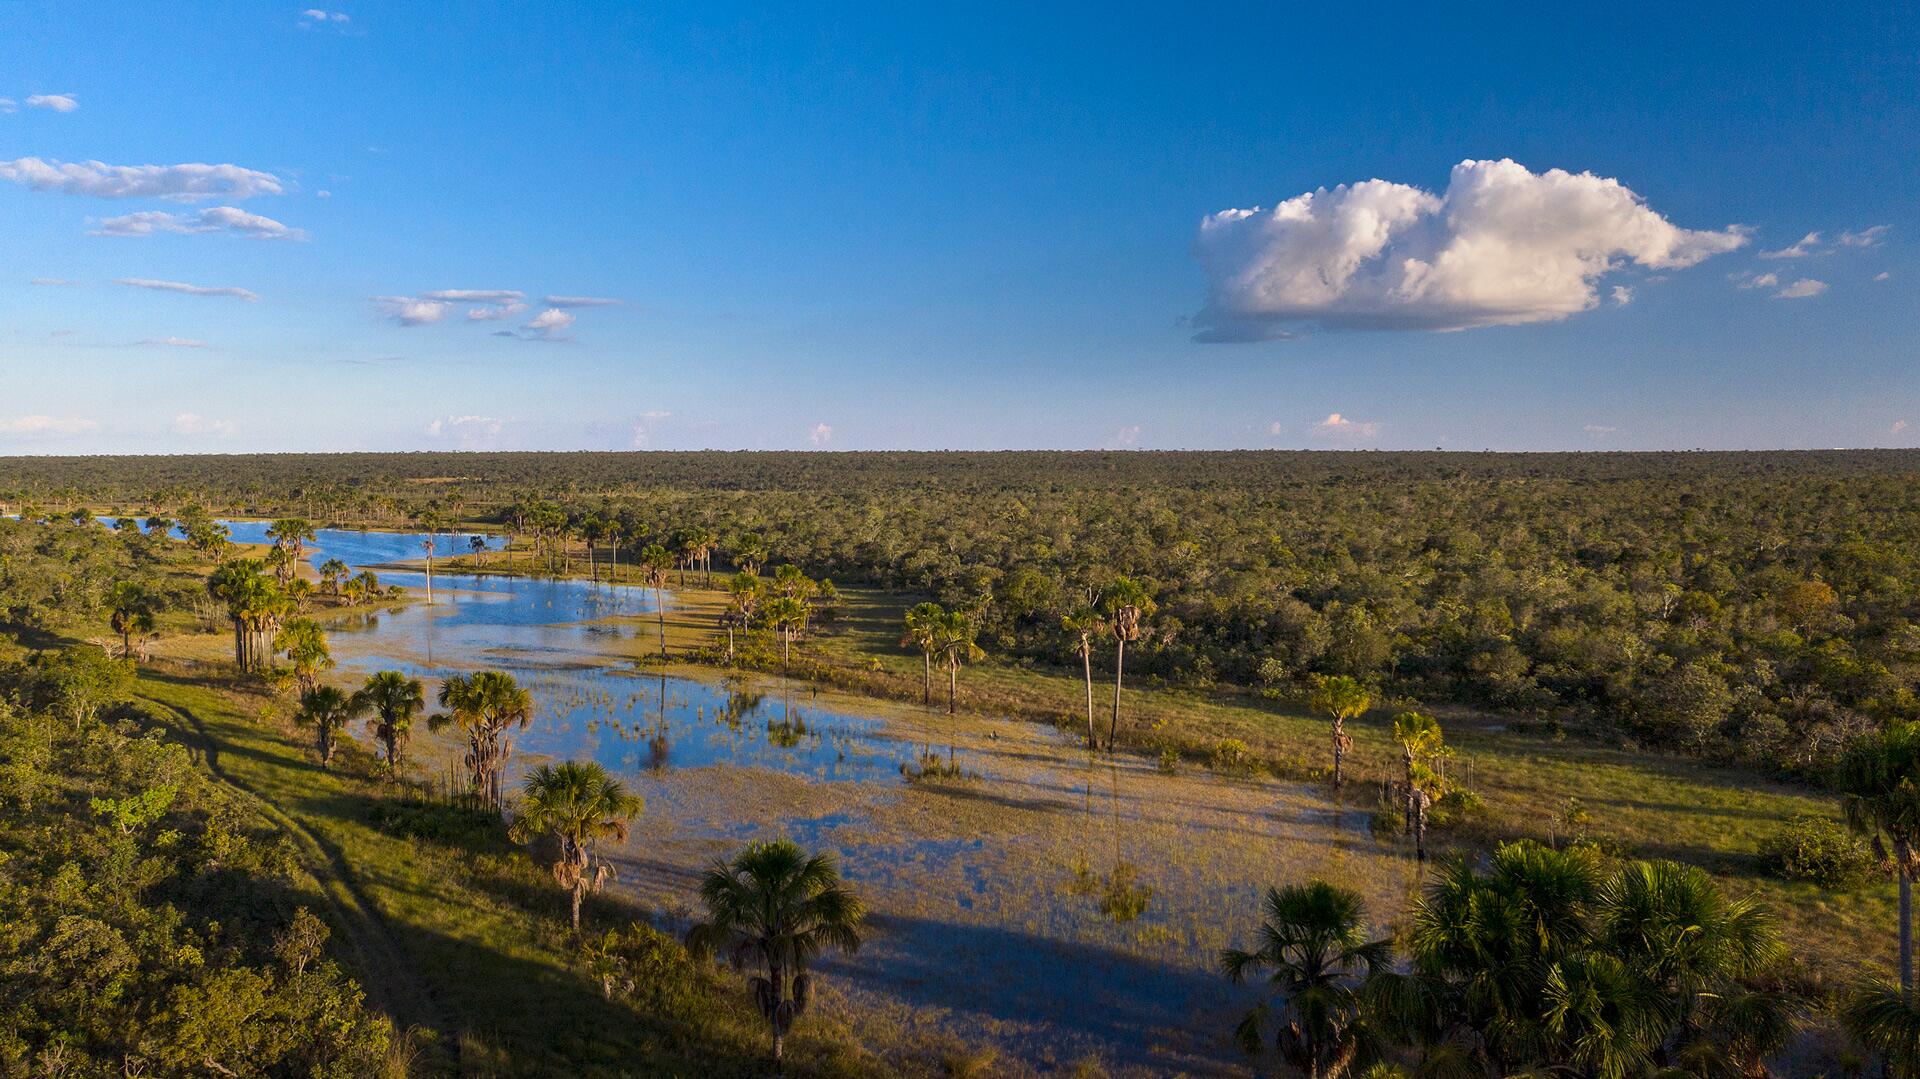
[[332, 573], [743, 596], [394, 699], [1341, 698], [485, 705], [1419, 736], [1126, 605], [254, 603], [1082, 625], [1887, 1021], [750, 552], [787, 616], [130, 610], [920, 619], [577, 802], [160, 525], [777, 907], [1312, 938], [1879, 785], [704, 541], [591, 530], [290, 534], [328, 709], [305, 646], [427, 544], [953, 638], [655, 563]]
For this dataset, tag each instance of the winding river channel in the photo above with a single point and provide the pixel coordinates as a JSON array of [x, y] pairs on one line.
[[1057, 906]]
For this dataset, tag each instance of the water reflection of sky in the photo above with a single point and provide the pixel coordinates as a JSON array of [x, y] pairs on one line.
[[554, 637]]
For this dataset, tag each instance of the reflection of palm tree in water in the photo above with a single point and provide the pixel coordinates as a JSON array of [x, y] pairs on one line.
[[660, 743]]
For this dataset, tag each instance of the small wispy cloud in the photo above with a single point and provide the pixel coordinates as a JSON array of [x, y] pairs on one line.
[[821, 434], [1338, 426], [1274, 429], [1622, 295], [470, 431], [1749, 279], [1898, 426], [1801, 289], [412, 310], [1867, 237], [191, 182], [53, 282], [230, 220], [53, 102], [188, 290], [1599, 430], [171, 342], [40, 426], [8, 105], [1799, 249], [194, 425], [314, 16], [475, 295], [580, 301], [1883, 276]]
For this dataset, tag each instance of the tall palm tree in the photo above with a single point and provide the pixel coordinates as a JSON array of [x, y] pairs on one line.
[[920, 620], [1879, 785], [1126, 606], [655, 563], [744, 591], [591, 530], [1341, 698], [577, 803], [329, 709], [1885, 1020], [1082, 625], [130, 610], [305, 645], [777, 907], [485, 705], [394, 700], [1313, 940], [787, 616], [1419, 736], [954, 638]]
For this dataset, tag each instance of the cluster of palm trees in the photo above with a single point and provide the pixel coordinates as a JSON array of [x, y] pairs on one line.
[[1119, 613], [1543, 962], [950, 635], [391, 698], [787, 604]]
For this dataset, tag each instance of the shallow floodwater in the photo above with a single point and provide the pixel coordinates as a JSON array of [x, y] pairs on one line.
[[1056, 905]]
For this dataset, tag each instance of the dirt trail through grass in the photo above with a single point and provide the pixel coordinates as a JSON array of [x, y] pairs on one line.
[[388, 974]]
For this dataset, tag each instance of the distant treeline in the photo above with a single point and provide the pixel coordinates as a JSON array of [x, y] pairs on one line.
[[1758, 606]]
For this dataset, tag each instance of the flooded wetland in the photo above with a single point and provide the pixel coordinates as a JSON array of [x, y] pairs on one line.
[[1054, 905]]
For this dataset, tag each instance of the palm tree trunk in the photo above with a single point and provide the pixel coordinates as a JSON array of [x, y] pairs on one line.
[[1420, 828], [1086, 662], [593, 566], [729, 642], [1119, 666], [926, 686], [786, 650], [1906, 921], [1339, 749], [1410, 792], [660, 614], [579, 892], [953, 676]]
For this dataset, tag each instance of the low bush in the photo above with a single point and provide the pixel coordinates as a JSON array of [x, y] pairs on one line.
[[1821, 851]]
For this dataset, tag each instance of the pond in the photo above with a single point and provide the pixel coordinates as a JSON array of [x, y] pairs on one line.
[[1056, 905]]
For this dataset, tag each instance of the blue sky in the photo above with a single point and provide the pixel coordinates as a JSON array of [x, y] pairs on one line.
[[891, 226]]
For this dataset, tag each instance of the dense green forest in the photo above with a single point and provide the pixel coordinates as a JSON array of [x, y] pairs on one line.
[[1757, 607]]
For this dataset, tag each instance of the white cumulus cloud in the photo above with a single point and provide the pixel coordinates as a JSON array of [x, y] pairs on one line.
[[411, 310], [549, 325], [192, 424], [1338, 426], [1502, 245], [46, 426], [821, 434], [193, 182], [189, 290], [1799, 249], [224, 219], [53, 102]]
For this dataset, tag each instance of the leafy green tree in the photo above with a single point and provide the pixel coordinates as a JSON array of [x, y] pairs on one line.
[[80, 682], [1419, 736], [255, 604], [394, 699], [776, 907], [750, 552], [328, 709], [1126, 606], [1313, 940], [744, 592], [291, 535], [332, 573], [921, 620], [577, 803], [304, 644], [1341, 698]]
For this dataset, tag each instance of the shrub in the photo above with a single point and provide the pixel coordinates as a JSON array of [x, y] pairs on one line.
[[1821, 851], [1232, 757]]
